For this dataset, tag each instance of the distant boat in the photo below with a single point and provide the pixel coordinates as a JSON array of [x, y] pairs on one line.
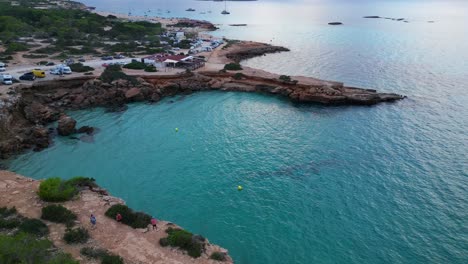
[[225, 12], [190, 10]]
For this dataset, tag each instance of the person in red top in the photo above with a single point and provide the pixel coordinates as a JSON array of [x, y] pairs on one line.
[[118, 217], [154, 222]]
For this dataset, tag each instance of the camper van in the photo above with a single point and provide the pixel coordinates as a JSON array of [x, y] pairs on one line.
[[2, 67], [61, 69], [6, 79]]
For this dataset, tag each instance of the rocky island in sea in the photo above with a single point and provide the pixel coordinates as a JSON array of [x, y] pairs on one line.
[[177, 63]]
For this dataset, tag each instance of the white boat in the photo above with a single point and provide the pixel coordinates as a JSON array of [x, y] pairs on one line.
[[225, 12]]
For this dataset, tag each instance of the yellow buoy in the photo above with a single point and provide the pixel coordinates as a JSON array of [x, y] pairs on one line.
[[239, 188]]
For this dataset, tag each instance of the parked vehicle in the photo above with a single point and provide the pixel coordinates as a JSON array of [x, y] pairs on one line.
[[29, 76], [50, 64], [120, 56], [107, 58], [6, 79], [2, 67], [81, 60], [39, 73], [61, 69]]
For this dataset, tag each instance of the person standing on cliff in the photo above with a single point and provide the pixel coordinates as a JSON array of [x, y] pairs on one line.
[[118, 217], [92, 219], [154, 222]]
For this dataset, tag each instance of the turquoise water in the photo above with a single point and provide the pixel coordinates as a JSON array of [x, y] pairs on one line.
[[383, 184]]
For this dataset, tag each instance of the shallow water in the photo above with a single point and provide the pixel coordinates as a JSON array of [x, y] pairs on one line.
[[383, 184]]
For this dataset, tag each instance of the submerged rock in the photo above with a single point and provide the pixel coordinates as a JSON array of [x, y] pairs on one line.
[[66, 125]]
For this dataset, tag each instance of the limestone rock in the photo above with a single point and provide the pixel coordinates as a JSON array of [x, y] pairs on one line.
[[66, 125]]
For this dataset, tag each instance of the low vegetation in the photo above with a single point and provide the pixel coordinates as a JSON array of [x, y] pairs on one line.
[[150, 68], [129, 217], [58, 214], [27, 248], [219, 256], [79, 67], [287, 79], [102, 254], [135, 65], [114, 72], [58, 190], [184, 240], [238, 76], [76, 236], [233, 67], [34, 227]]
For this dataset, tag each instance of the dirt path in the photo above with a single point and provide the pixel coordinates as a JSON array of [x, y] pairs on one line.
[[134, 245]]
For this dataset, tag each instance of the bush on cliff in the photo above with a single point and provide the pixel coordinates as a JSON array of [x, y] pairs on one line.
[[287, 79], [76, 236], [184, 240], [79, 67], [135, 65], [112, 259], [26, 248], [219, 256], [104, 255], [129, 217], [58, 214], [238, 76], [150, 68], [233, 67], [114, 72], [34, 227], [56, 190]]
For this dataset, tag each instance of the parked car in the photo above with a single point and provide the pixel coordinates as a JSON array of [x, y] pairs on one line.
[[39, 73], [2, 67], [81, 60], [50, 64], [6, 79], [107, 58], [120, 56], [29, 76]]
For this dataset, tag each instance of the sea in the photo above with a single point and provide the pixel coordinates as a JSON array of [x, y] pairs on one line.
[[347, 184]]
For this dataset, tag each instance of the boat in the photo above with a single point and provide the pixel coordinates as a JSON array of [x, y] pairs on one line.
[[190, 10], [225, 12]]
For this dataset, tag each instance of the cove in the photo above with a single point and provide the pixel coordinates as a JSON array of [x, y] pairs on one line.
[[321, 184]]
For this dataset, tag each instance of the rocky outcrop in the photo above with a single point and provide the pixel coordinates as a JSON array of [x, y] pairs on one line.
[[66, 125], [22, 122], [243, 54]]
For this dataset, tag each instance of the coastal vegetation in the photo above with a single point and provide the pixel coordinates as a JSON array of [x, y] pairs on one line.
[[72, 32], [219, 256], [129, 217], [184, 240], [58, 214], [22, 241], [102, 254], [287, 79], [76, 236], [233, 67], [79, 67], [58, 190], [114, 72]]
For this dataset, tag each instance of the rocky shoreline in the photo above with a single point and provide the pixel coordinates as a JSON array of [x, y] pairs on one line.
[[24, 116]]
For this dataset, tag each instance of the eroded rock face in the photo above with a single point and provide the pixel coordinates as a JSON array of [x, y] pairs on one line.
[[40, 114], [66, 125]]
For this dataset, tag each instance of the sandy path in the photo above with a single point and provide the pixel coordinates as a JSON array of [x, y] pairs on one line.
[[134, 245]]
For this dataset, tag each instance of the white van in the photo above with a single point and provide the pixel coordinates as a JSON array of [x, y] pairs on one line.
[[2, 67], [6, 79], [61, 69]]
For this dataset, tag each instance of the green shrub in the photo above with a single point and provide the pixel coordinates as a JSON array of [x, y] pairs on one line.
[[112, 259], [76, 236], [233, 67], [150, 68], [27, 248], [163, 242], [93, 252], [5, 211], [34, 226], [135, 65], [114, 72], [56, 190], [218, 256], [9, 223], [58, 214], [129, 217], [184, 240], [238, 76], [79, 67], [34, 56], [82, 182]]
